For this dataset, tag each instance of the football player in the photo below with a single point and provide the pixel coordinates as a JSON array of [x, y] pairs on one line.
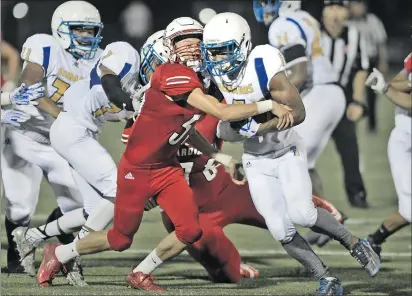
[[275, 159], [399, 92], [220, 201], [149, 167], [87, 107], [297, 35], [58, 60]]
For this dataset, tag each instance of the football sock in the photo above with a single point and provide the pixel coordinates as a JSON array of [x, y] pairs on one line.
[[327, 224], [63, 238], [299, 249], [100, 217], [65, 253], [68, 223], [382, 233], [149, 264]]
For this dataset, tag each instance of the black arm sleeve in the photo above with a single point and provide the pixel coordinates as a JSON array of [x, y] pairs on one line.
[[113, 89], [293, 52]]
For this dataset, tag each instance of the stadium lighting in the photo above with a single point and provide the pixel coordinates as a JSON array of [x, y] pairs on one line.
[[206, 14], [20, 10]]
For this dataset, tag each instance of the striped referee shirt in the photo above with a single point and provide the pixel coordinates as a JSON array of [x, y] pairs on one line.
[[374, 31], [347, 53]]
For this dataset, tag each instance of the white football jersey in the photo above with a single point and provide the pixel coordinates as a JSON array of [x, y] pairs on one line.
[[87, 102], [299, 27], [61, 70], [263, 63]]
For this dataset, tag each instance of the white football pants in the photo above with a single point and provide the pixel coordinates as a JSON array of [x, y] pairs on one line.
[[41, 158], [325, 105], [281, 191], [399, 153], [78, 145]]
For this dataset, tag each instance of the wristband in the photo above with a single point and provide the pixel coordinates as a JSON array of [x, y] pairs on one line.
[[5, 98], [264, 106], [223, 158]]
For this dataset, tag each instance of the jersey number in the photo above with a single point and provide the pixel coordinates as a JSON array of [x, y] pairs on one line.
[[209, 171], [61, 88], [177, 137], [25, 53], [112, 109], [316, 47]]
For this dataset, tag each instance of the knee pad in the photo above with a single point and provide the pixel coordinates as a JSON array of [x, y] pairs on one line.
[[305, 217], [119, 241], [188, 235]]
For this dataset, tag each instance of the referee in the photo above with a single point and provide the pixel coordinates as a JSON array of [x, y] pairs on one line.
[[346, 50], [375, 35]]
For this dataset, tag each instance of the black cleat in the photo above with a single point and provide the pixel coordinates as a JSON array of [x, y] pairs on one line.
[[359, 200], [375, 247]]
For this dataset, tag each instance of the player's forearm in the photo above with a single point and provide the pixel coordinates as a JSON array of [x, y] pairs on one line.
[[113, 88], [267, 127], [359, 86], [383, 57], [199, 142], [290, 98], [401, 99], [400, 82]]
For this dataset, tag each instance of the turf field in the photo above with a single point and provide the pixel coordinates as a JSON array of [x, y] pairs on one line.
[[280, 275]]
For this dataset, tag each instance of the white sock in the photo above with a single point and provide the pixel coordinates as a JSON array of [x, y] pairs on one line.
[[68, 223], [149, 264], [100, 217], [65, 253]]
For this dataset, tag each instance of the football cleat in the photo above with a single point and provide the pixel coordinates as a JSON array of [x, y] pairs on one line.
[[248, 272], [26, 248], [366, 257], [329, 286], [141, 281], [375, 247], [50, 266], [74, 273]]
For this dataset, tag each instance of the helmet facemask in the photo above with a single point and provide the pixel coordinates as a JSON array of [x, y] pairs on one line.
[[150, 61], [266, 11], [82, 46], [186, 50]]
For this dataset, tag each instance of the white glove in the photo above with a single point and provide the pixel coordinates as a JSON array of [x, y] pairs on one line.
[[376, 81], [13, 117], [25, 95], [249, 129]]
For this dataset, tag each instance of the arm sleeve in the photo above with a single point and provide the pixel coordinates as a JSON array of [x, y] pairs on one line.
[[294, 54], [113, 89]]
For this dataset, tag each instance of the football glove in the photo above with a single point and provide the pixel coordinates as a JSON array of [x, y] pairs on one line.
[[377, 82], [25, 95], [13, 117]]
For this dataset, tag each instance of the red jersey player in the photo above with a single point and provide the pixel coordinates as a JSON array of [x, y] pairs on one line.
[[149, 167], [220, 202]]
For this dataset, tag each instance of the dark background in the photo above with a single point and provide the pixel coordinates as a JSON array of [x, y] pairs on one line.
[[395, 14]]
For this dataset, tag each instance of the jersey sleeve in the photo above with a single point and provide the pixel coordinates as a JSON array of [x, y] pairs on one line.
[[38, 50], [269, 61], [175, 79], [121, 58], [289, 38]]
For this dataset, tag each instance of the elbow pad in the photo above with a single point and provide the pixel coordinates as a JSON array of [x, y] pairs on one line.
[[114, 92]]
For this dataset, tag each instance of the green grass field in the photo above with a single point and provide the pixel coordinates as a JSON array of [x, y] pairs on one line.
[[280, 275]]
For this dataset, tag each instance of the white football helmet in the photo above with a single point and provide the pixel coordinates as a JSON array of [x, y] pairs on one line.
[[77, 14], [226, 46], [266, 11], [152, 54], [189, 54]]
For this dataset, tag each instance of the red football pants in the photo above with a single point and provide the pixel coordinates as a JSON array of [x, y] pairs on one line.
[[135, 186]]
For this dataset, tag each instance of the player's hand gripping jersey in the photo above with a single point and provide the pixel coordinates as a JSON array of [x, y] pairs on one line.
[[163, 124], [86, 100], [61, 71], [297, 35]]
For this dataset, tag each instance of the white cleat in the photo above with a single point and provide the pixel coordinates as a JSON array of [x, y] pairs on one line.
[[75, 273], [26, 249]]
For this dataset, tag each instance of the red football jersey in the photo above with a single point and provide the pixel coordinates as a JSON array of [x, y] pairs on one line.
[[206, 177], [163, 124]]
